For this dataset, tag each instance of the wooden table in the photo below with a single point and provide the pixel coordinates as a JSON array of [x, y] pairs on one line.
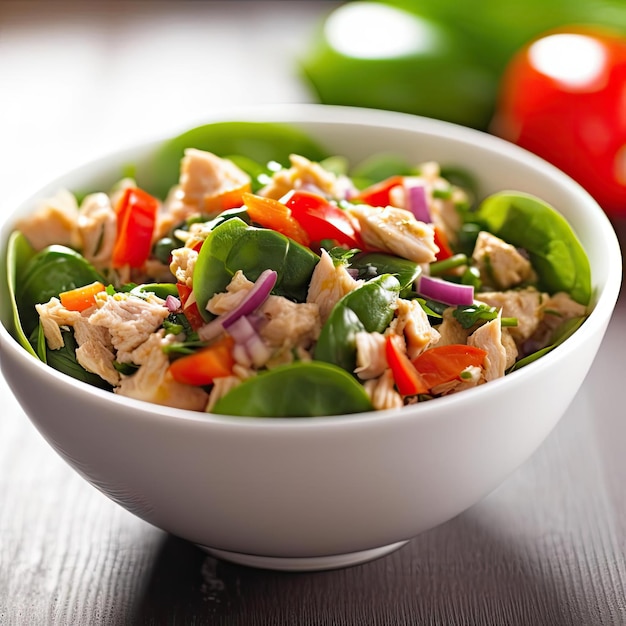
[[547, 547]]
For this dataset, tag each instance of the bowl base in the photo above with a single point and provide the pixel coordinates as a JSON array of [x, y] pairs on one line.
[[304, 564]]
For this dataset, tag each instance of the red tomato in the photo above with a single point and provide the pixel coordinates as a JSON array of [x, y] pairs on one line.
[[563, 97], [322, 219]]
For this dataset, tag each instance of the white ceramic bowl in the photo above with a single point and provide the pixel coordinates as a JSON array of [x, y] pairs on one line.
[[331, 491]]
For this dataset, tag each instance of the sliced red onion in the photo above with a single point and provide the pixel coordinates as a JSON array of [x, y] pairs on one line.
[[244, 334], [172, 303], [417, 202], [253, 300], [445, 291]]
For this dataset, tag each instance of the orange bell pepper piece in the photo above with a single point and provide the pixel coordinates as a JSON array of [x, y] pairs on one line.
[[81, 298]]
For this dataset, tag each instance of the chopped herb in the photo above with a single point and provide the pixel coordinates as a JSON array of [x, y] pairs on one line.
[[470, 315], [127, 369]]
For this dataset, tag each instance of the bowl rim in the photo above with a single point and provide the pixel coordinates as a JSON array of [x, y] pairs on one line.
[[339, 115]]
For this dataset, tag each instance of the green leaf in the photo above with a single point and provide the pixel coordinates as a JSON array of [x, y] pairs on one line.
[[19, 253], [368, 308], [301, 389], [370, 264], [469, 315], [553, 248], [64, 359], [48, 273], [233, 246]]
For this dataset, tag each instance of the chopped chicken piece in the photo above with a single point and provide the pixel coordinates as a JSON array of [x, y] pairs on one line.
[[53, 315], [152, 381], [95, 350], [53, 222], [510, 347], [289, 324], [371, 360], [130, 319], [205, 179], [195, 235], [182, 265], [559, 308], [221, 386], [450, 330], [307, 175], [97, 228], [499, 263], [236, 292], [556, 309], [396, 231], [524, 304], [412, 322], [382, 392], [489, 338], [329, 283], [442, 210], [285, 325]]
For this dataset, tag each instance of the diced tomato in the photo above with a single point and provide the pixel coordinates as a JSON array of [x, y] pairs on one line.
[[322, 219], [205, 365], [273, 214], [407, 378], [378, 193], [190, 306], [136, 218], [443, 364]]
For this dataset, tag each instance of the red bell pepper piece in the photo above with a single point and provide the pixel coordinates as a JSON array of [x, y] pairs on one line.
[[377, 195], [136, 218], [441, 241], [408, 380], [205, 365], [189, 306], [322, 219]]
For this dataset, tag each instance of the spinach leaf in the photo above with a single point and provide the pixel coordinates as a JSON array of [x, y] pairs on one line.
[[233, 245], [301, 389], [260, 142], [370, 264], [554, 249], [64, 359], [160, 290], [49, 272], [19, 253], [368, 308]]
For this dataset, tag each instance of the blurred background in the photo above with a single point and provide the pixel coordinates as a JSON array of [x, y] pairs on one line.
[[83, 77]]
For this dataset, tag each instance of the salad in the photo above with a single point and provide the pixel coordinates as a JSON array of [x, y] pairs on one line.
[[249, 285]]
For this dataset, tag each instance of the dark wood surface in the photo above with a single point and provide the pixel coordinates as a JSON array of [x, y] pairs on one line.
[[547, 547]]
